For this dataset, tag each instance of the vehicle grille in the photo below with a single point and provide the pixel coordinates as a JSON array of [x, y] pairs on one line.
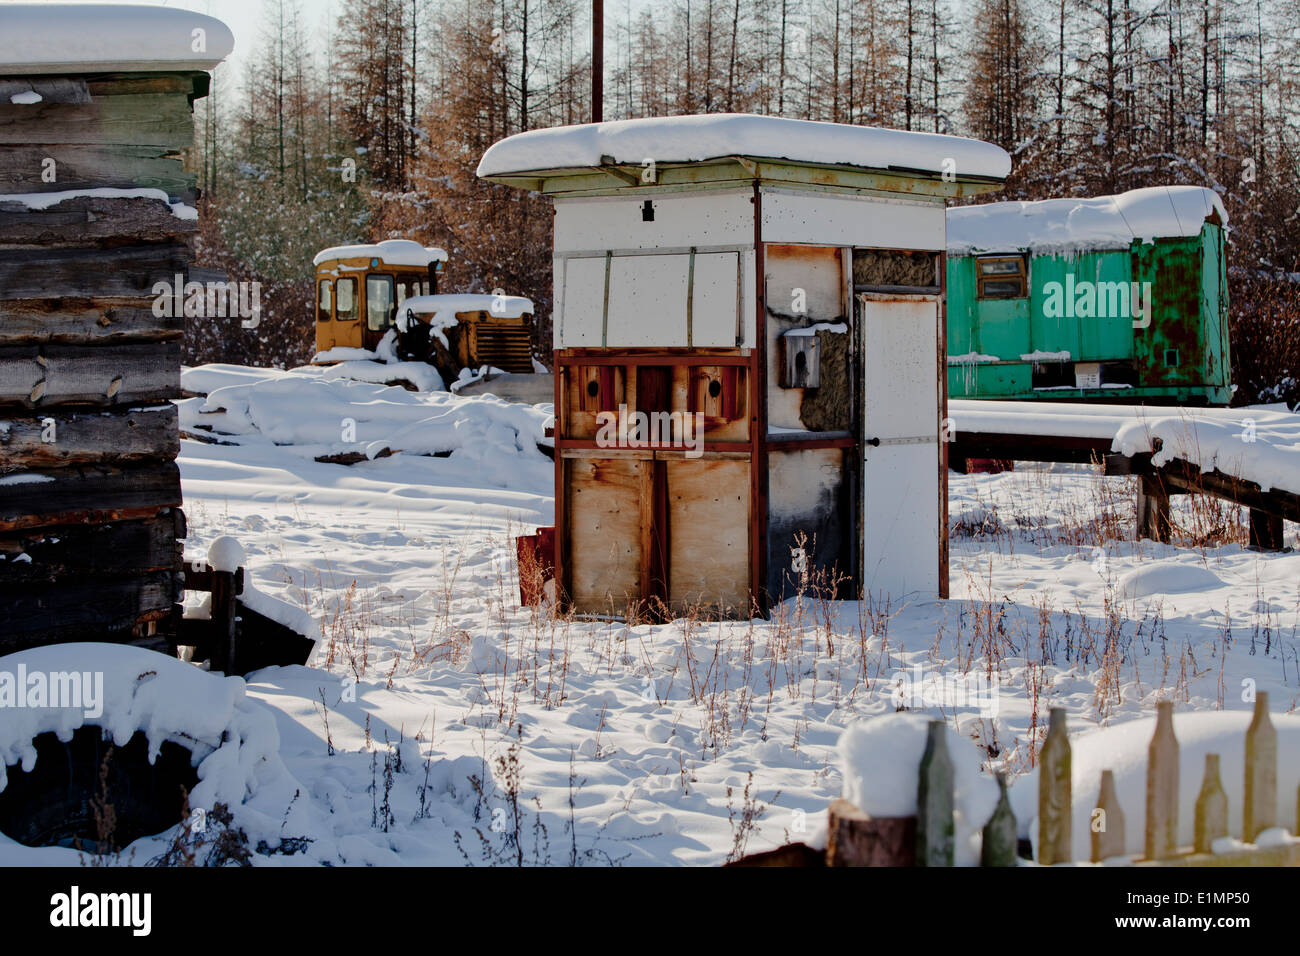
[[506, 347]]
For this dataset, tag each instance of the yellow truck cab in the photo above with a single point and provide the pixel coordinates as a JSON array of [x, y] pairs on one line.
[[359, 290]]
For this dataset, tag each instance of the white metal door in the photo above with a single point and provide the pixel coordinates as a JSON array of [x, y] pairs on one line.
[[901, 508]]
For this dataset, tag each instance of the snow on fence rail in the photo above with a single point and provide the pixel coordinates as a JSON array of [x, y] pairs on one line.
[[1260, 444], [1250, 456]]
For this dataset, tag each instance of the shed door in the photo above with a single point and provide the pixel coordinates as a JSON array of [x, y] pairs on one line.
[[902, 497]]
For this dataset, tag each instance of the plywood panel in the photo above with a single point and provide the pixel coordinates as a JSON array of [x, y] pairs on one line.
[[715, 303], [708, 534], [694, 219], [647, 300], [584, 303], [852, 220], [603, 547]]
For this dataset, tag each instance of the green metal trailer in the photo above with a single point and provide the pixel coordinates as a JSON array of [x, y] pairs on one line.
[[1118, 298]]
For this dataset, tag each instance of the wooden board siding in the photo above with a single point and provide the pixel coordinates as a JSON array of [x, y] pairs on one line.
[[708, 535], [90, 493], [623, 544], [604, 503]]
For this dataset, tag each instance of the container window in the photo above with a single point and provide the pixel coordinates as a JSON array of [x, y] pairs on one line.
[[325, 300], [1002, 277], [381, 305], [345, 306]]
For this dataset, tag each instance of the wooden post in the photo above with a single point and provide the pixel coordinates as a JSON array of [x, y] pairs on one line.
[[934, 824], [1211, 807], [1260, 810], [222, 619], [999, 844], [1162, 786], [1107, 822], [855, 839], [1153, 509], [1265, 531], [1054, 794]]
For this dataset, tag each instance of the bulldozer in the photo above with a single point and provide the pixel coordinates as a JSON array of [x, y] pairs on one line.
[[381, 302]]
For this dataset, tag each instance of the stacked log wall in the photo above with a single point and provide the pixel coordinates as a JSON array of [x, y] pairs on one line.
[[90, 495]]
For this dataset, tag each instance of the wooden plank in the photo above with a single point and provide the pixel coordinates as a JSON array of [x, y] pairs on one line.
[[139, 119], [83, 219], [1054, 793], [72, 496], [85, 322], [62, 437], [1266, 532], [1211, 807], [51, 89], [118, 548], [604, 534], [90, 273], [204, 578], [1152, 510], [709, 529], [1259, 811], [131, 84], [84, 608], [1107, 821], [44, 375], [1027, 447], [1162, 787], [666, 356], [1187, 477], [221, 625]]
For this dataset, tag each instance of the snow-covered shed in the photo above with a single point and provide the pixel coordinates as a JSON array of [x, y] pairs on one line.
[[749, 355], [96, 216]]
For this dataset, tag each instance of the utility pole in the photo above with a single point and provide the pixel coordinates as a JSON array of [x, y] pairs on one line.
[[597, 59]]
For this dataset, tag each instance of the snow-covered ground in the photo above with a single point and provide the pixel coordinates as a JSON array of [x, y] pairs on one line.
[[526, 737]]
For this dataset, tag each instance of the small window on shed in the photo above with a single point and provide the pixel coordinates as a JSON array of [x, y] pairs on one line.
[[1002, 277]]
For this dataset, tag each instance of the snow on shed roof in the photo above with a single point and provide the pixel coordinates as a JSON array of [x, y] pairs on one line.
[[1083, 225], [674, 139], [99, 37], [394, 252]]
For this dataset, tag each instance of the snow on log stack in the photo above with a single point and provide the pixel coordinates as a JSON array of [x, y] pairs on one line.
[[95, 212]]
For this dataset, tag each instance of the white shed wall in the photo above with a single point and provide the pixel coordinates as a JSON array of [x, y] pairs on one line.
[[701, 218], [829, 219], [649, 271]]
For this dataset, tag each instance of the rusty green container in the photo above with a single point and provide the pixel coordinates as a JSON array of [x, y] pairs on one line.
[[1143, 324]]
